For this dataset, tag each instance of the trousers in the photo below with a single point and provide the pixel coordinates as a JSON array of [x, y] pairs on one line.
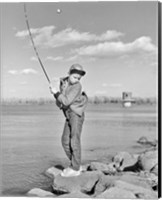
[[71, 138]]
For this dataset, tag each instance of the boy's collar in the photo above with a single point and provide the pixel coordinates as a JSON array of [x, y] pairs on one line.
[[64, 78]]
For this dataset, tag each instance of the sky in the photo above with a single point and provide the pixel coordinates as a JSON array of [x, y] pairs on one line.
[[115, 42]]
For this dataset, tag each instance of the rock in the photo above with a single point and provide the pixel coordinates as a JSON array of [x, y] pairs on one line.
[[145, 141], [116, 193], [74, 195], [148, 160], [124, 159], [112, 168], [140, 192], [53, 172], [154, 143], [83, 183], [40, 193], [142, 140], [154, 170], [135, 179], [85, 167], [105, 181], [151, 178], [106, 169]]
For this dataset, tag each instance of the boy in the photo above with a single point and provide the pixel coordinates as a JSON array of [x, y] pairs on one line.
[[73, 102]]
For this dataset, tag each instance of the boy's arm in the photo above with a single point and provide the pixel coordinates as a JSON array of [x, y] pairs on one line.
[[55, 94], [67, 99]]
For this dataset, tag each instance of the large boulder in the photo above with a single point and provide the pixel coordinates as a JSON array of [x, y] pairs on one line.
[[151, 178], [37, 192], [105, 168], [53, 172], [135, 179], [124, 160], [116, 193], [74, 195], [144, 141], [84, 167], [148, 160], [154, 170], [105, 182], [139, 191], [83, 183]]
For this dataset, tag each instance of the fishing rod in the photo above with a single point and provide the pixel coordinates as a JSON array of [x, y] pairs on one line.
[[35, 49]]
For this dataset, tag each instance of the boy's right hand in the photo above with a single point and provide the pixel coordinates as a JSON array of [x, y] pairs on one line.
[[52, 89]]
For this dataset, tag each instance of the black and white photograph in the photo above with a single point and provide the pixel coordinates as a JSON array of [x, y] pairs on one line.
[[79, 99]]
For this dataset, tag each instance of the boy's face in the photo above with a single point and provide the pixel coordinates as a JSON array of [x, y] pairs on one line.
[[74, 78]]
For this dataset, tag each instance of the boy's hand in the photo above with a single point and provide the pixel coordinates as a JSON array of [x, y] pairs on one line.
[[52, 89]]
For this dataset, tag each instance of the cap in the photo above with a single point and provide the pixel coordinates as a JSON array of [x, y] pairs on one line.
[[76, 68]]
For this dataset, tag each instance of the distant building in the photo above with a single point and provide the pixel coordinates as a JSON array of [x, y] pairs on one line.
[[127, 99]]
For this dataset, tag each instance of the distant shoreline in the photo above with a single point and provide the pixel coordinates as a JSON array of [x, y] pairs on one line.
[[92, 100]]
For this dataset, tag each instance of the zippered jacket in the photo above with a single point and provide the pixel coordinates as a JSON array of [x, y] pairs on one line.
[[71, 96]]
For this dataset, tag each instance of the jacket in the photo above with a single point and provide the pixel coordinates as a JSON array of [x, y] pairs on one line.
[[71, 96]]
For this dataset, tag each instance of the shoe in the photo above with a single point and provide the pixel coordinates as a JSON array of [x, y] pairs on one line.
[[81, 168], [70, 172], [66, 169]]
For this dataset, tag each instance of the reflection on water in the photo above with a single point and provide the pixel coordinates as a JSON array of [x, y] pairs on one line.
[[31, 135]]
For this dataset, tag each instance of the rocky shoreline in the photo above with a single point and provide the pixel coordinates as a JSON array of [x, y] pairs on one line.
[[126, 176]]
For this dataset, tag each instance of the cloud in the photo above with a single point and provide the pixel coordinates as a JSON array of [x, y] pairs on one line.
[[110, 49], [13, 72], [25, 33], [109, 35], [45, 36], [51, 58], [28, 71], [24, 71], [115, 85], [104, 84], [72, 36], [55, 82], [23, 83], [106, 44], [45, 31], [13, 90], [111, 85], [55, 79], [33, 58], [154, 64], [72, 58], [100, 92], [58, 58]]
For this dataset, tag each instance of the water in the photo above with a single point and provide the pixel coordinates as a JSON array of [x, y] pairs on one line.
[[30, 139]]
